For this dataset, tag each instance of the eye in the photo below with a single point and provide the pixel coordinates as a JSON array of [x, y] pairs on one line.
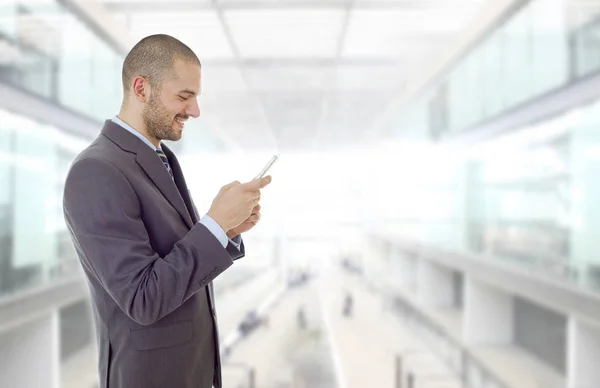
[[183, 98]]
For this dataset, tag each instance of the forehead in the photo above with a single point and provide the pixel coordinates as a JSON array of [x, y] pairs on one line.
[[187, 77]]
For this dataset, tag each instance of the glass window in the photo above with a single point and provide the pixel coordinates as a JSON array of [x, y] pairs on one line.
[[28, 53], [473, 76], [6, 198], [585, 169], [36, 72], [105, 82], [48, 51], [8, 10], [457, 98], [586, 55], [517, 73], [549, 45], [539, 207], [526, 56], [9, 59], [35, 154], [32, 171], [118, 65], [487, 68], [75, 68], [521, 206]]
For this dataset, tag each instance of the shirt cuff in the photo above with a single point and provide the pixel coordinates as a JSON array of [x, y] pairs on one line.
[[236, 241], [215, 229]]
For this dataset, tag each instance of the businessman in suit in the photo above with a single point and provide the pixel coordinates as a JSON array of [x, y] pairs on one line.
[[148, 257]]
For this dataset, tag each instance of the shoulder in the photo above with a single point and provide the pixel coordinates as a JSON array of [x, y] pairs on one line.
[[102, 156]]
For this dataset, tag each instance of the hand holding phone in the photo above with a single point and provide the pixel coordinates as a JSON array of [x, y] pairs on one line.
[[267, 167]]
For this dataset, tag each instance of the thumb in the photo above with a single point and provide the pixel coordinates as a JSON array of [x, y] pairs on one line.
[[257, 184]]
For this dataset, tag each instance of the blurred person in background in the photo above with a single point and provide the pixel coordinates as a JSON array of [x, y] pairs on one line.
[[149, 258], [301, 318], [348, 305]]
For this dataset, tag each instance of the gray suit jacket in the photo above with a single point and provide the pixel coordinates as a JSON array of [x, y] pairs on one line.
[[149, 265]]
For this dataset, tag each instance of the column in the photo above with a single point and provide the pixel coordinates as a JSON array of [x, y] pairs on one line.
[[405, 271], [434, 284], [583, 355], [488, 314], [29, 355]]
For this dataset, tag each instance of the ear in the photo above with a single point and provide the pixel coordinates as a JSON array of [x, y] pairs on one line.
[[141, 89]]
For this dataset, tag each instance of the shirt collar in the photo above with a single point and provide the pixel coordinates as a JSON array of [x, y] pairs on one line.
[[126, 126]]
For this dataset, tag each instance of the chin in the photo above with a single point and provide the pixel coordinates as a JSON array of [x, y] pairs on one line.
[[176, 134], [174, 127]]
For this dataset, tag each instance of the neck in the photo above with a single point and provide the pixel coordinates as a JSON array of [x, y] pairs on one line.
[[136, 122]]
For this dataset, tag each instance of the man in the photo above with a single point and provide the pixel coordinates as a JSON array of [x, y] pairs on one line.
[[148, 257]]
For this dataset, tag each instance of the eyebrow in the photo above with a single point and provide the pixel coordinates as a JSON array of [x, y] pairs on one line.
[[188, 91]]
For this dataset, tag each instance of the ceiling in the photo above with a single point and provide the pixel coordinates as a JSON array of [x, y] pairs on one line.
[[300, 74]]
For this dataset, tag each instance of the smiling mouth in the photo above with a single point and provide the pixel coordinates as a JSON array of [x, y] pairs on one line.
[[180, 121]]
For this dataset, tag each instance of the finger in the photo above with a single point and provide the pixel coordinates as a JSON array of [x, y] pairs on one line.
[[255, 196]]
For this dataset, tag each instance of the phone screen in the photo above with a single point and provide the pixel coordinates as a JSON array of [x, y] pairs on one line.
[[267, 167]]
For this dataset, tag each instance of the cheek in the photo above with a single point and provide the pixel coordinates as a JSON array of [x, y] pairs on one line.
[[175, 109]]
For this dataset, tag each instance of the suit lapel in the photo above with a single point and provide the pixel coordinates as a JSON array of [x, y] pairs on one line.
[[149, 161]]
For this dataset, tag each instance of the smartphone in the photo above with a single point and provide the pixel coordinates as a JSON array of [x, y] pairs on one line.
[[267, 167]]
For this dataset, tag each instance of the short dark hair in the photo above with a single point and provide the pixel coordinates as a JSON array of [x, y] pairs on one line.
[[153, 58]]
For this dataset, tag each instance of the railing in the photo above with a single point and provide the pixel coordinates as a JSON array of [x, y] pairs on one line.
[[472, 373], [577, 292], [459, 359]]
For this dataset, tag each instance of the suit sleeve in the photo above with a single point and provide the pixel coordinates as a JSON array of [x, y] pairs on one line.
[[234, 252], [103, 214]]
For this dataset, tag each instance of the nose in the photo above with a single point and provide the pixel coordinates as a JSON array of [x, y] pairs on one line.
[[193, 109]]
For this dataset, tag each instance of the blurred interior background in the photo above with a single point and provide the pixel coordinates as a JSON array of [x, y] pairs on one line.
[[434, 218]]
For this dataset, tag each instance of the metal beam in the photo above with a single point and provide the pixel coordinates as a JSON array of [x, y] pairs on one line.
[[45, 111], [186, 6], [302, 62]]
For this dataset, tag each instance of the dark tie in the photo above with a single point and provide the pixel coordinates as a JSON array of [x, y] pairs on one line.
[[165, 161]]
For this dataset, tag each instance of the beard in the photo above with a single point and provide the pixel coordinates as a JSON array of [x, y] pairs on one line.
[[159, 122]]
